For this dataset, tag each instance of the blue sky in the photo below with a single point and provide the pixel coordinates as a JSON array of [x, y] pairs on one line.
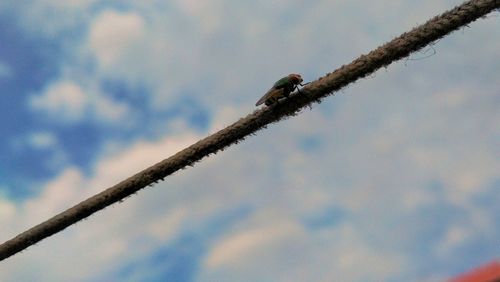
[[394, 178]]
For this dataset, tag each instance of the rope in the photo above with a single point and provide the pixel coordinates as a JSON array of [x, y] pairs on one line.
[[314, 92]]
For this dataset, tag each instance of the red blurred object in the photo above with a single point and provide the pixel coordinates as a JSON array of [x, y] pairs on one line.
[[486, 273]]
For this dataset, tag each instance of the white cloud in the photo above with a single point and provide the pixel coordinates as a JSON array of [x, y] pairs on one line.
[[42, 140], [64, 100], [108, 110], [113, 34], [7, 210], [208, 15], [46, 142], [287, 252], [235, 248], [454, 237]]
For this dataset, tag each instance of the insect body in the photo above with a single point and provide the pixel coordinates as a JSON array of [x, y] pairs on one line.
[[282, 88]]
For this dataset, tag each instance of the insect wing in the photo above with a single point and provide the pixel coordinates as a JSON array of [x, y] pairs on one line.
[[271, 93]]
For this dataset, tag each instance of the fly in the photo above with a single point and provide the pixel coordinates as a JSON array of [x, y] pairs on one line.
[[282, 88]]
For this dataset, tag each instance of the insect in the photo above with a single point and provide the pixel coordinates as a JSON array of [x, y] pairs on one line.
[[282, 88]]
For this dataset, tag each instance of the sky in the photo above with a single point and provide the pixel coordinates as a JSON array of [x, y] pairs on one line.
[[395, 178]]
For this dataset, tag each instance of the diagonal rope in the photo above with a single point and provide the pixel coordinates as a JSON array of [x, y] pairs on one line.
[[394, 50]]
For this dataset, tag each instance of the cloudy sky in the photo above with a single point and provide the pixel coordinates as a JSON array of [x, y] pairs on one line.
[[395, 178]]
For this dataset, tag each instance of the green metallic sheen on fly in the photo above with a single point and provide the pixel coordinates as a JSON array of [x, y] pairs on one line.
[[282, 88]]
